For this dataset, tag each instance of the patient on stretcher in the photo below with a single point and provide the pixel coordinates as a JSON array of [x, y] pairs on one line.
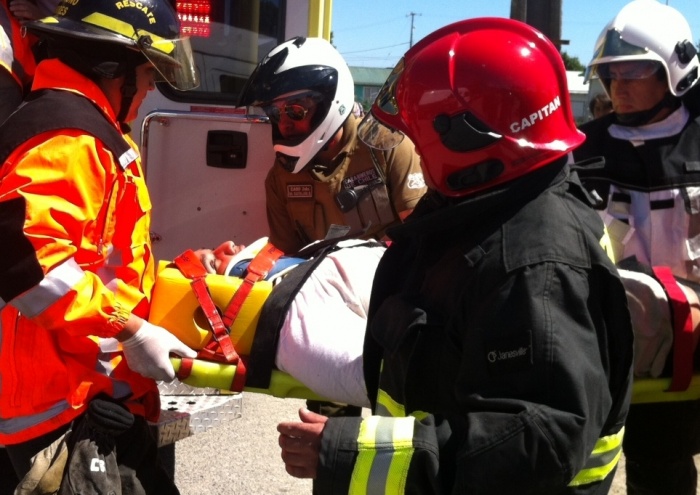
[[321, 339]]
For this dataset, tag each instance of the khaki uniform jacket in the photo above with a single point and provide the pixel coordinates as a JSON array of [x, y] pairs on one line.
[[301, 207]]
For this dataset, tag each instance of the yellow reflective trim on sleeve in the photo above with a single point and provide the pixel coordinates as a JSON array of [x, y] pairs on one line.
[[386, 406], [606, 244], [602, 461], [385, 450]]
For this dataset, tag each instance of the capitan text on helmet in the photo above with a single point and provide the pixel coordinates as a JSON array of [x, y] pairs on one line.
[[535, 117], [137, 5]]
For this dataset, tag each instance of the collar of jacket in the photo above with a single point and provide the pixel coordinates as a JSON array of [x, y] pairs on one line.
[[327, 173], [54, 74], [436, 213]]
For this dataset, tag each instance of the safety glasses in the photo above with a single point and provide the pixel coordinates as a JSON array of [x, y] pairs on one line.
[[627, 70]]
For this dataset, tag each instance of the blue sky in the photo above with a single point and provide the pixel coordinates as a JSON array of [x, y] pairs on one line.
[[375, 33]]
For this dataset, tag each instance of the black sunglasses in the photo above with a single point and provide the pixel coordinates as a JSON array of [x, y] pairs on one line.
[[294, 112]]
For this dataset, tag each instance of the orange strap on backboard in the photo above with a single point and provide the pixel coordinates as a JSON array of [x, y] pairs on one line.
[[192, 268], [257, 270]]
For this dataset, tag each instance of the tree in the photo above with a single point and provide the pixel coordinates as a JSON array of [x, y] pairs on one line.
[[572, 63]]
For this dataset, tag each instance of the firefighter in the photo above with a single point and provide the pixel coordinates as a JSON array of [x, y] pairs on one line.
[[647, 61], [76, 266], [498, 349], [325, 180]]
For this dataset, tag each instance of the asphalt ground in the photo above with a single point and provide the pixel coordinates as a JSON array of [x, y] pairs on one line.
[[241, 457]]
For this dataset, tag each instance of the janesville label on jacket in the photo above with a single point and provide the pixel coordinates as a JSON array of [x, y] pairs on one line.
[[509, 355]]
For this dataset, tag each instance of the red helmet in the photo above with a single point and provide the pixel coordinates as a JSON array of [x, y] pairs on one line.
[[484, 100]]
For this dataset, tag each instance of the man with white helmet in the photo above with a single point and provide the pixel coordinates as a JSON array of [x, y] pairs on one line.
[[649, 196], [325, 180]]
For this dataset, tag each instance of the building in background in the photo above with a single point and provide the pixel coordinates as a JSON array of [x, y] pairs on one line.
[[368, 81]]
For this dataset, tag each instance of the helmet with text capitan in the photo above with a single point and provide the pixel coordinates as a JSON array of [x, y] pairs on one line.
[[484, 100]]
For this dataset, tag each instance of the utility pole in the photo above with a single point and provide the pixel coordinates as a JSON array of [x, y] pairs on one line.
[[545, 15], [412, 15]]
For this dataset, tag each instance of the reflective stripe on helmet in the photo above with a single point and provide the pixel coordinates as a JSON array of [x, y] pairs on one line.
[[385, 450], [602, 461], [127, 30]]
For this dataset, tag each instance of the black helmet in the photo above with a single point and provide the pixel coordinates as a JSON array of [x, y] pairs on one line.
[[110, 36]]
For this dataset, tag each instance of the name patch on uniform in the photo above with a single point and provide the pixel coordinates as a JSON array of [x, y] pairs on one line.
[[300, 191], [360, 179]]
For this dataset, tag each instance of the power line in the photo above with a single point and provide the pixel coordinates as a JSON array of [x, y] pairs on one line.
[[373, 49]]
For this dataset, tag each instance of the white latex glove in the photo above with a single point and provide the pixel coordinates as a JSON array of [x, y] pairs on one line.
[[651, 322], [148, 351]]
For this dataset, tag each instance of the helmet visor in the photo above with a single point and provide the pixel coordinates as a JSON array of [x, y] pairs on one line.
[[375, 134], [616, 48], [173, 59], [386, 98], [632, 69]]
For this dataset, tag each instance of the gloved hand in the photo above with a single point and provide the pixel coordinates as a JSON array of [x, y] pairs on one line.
[[148, 352]]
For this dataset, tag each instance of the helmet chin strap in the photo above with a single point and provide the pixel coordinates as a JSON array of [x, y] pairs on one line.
[[128, 91], [636, 119]]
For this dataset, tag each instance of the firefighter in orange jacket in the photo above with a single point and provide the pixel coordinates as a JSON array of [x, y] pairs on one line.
[[76, 267]]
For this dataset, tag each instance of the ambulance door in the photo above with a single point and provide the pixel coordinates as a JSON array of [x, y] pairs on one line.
[[205, 173], [205, 160]]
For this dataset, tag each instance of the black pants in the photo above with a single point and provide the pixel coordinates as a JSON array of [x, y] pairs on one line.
[[660, 442], [7, 474]]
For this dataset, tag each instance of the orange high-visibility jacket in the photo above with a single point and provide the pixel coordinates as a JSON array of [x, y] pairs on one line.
[[82, 216]]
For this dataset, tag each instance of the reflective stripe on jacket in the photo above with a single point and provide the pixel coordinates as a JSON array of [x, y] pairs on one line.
[[84, 221]]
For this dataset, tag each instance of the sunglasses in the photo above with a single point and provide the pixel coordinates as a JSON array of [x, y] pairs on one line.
[[294, 112]]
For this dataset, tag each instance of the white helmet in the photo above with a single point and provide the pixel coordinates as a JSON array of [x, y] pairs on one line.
[[649, 30], [296, 69]]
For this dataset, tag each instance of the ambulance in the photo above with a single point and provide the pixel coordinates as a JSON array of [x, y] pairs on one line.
[[205, 160]]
